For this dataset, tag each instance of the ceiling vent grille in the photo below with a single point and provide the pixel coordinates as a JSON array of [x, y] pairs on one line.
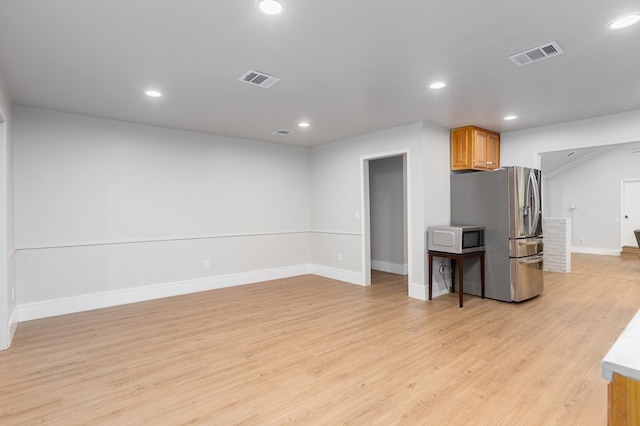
[[538, 53], [283, 132], [260, 79]]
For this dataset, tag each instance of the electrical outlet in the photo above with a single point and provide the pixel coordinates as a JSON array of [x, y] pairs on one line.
[[339, 257], [207, 264], [356, 215], [581, 240]]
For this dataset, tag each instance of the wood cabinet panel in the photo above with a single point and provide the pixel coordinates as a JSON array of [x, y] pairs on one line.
[[492, 151], [460, 150], [624, 401], [479, 156], [473, 148]]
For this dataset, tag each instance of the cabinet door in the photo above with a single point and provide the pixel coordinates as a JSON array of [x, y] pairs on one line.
[[624, 396], [460, 149], [493, 151], [479, 149]]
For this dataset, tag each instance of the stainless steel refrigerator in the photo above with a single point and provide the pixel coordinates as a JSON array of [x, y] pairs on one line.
[[508, 203]]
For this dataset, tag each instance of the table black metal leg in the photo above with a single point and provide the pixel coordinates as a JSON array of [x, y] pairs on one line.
[[461, 279], [430, 275], [482, 274], [453, 275]]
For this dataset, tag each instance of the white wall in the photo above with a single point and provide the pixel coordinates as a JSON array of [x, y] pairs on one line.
[[524, 147], [593, 188], [336, 195], [109, 212], [386, 189], [85, 180], [8, 316]]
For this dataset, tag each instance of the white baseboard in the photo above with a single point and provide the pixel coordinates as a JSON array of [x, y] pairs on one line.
[[421, 292], [337, 274], [13, 323], [595, 250], [418, 291], [393, 268], [49, 308]]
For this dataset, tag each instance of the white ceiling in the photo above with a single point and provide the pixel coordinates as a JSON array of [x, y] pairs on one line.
[[555, 163], [349, 67], [558, 162]]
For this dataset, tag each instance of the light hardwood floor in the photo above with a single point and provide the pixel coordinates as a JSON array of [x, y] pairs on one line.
[[310, 350]]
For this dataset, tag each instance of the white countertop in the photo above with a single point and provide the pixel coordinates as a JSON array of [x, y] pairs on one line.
[[624, 356]]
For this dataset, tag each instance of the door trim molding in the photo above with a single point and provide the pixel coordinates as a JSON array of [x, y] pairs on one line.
[[366, 214], [622, 183]]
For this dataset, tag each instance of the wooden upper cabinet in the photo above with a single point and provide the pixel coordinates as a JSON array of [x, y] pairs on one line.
[[473, 148], [479, 152], [460, 149], [493, 151]]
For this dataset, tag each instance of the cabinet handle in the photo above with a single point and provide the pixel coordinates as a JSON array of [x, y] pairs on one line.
[[489, 162]]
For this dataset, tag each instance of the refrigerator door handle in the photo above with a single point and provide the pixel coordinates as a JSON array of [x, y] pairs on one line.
[[536, 201], [530, 243], [531, 261]]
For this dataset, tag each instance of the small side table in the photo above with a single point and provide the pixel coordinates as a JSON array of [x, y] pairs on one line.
[[456, 259]]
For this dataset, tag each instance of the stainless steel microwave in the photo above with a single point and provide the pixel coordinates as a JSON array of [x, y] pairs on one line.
[[458, 239]]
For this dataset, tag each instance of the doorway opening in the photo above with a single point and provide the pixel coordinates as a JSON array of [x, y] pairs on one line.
[[386, 214], [630, 216]]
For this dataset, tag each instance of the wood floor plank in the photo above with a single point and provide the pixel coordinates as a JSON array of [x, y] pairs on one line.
[[312, 350]]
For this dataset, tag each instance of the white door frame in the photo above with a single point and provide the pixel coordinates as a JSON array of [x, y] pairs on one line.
[[622, 209], [366, 213], [5, 338]]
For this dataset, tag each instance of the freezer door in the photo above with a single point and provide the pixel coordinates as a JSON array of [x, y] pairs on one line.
[[525, 202], [527, 278]]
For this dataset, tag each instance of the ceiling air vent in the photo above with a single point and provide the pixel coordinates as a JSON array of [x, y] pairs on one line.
[[283, 132], [260, 79], [539, 53]]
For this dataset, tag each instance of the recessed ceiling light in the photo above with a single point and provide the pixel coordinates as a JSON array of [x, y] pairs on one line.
[[624, 21], [303, 124], [153, 93], [437, 85], [270, 7], [511, 117]]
